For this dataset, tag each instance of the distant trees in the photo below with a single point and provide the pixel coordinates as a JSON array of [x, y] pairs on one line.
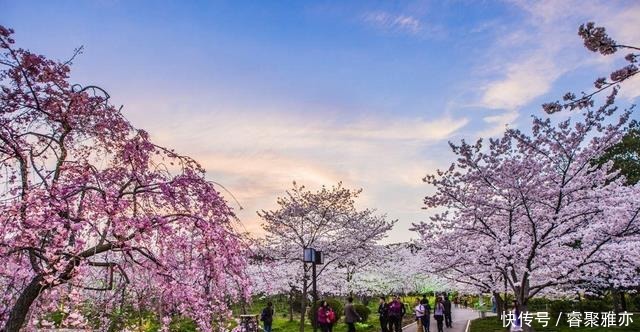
[[625, 154]]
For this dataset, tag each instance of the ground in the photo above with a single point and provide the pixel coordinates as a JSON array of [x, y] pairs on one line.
[[495, 325], [459, 318]]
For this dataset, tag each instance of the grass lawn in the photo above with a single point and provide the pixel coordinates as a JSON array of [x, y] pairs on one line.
[[493, 324], [281, 321], [284, 325]]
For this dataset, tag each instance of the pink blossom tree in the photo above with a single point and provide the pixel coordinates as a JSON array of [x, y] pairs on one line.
[[326, 220], [89, 204], [533, 210]]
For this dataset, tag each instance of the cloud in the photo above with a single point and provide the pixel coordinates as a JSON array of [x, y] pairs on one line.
[[499, 123], [257, 154], [391, 22], [523, 82], [631, 89], [405, 129], [529, 56]]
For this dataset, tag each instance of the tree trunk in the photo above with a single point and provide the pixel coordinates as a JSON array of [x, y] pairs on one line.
[[500, 304], [291, 300], [522, 296], [303, 302], [623, 301], [522, 302], [619, 301], [20, 309]]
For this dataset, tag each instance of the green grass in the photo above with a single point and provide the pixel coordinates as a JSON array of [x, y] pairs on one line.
[[281, 321], [493, 324], [282, 324]]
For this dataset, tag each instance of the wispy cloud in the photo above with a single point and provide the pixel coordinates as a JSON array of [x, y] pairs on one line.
[[257, 154], [527, 59], [498, 123], [391, 22]]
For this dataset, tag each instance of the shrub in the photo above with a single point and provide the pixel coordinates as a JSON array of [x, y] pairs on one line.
[[594, 305], [363, 311], [337, 306], [296, 303], [537, 304], [182, 324], [635, 302], [560, 306]]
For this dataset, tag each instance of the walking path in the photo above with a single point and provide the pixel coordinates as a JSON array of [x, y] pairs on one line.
[[459, 319]]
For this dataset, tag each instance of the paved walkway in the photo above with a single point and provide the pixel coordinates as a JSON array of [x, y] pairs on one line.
[[459, 319]]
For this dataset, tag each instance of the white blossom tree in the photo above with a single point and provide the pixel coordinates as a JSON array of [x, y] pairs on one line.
[[534, 210], [326, 220]]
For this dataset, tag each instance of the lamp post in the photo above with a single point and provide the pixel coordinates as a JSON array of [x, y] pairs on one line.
[[310, 255]]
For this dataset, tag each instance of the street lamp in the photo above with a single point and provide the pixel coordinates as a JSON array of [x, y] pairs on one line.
[[310, 255]]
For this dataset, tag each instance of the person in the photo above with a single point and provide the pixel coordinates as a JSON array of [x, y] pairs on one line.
[[456, 300], [321, 316], [396, 312], [517, 322], [427, 313], [447, 312], [383, 314], [267, 317], [351, 315], [331, 318], [418, 311], [325, 317], [438, 313], [494, 307]]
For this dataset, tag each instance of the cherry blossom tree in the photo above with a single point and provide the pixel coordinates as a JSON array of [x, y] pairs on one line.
[[89, 204], [533, 209], [399, 269], [326, 220]]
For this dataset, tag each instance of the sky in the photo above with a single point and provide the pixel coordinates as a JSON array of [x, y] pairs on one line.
[[264, 93]]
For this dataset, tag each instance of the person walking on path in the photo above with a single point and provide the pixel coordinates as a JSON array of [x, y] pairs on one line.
[[396, 312], [383, 313], [419, 313], [351, 315], [447, 312], [267, 317], [426, 322], [438, 313]]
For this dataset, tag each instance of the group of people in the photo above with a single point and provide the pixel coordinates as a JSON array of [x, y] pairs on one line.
[[391, 313], [325, 316]]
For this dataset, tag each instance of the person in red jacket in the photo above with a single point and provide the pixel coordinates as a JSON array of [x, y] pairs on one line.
[[323, 318]]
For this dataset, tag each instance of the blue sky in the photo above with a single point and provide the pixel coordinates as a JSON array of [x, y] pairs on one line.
[[367, 92]]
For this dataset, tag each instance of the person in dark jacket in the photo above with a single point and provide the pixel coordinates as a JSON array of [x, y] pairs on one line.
[[447, 312], [267, 317], [351, 315], [427, 313], [383, 313], [396, 312]]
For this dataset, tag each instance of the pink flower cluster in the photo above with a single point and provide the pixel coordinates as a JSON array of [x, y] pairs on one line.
[[93, 210]]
